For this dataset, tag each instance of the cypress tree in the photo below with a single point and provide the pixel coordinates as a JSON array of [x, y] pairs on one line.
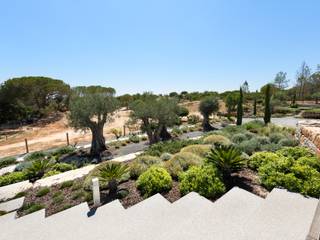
[[240, 108], [255, 107], [267, 105]]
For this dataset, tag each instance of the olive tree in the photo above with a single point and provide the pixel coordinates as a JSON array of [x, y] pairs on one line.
[[155, 115], [208, 106], [90, 109]]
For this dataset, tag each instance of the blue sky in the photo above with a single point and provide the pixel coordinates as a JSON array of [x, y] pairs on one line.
[[159, 46]]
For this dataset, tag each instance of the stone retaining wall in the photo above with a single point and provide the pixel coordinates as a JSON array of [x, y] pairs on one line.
[[308, 133]]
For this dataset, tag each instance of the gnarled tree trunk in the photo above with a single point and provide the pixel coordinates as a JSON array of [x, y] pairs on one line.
[[98, 144], [206, 125], [164, 134]]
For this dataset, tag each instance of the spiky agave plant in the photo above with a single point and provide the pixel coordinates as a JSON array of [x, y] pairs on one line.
[[112, 173], [227, 159], [38, 168]]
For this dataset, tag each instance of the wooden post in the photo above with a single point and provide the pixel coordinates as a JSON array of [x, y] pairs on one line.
[[27, 147], [124, 130], [96, 192], [68, 143]]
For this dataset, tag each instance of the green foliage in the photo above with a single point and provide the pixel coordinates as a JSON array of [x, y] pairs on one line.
[[239, 138], [32, 207], [276, 137], [35, 156], [165, 156], [313, 162], [181, 162], [58, 199], [154, 180], [183, 111], [77, 195], [142, 163], [22, 166], [31, 97], [176, 131], [261, 158], [134, 138], [227, 159], [62, 151], [295, 152], [231, 101], [42, 192], [168, 147], [207, 107], [193, 119], [200, 150], [38, 169], [51, 173], [250, 146], [253, 126], [66, 184], [6, 161], [13, 177], [87, 184], [216, 140], [287, 142], [113, 172], [204, 180], [62, 167]]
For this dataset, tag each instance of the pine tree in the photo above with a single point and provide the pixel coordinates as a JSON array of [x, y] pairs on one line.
[[267, 105], [240, 108]]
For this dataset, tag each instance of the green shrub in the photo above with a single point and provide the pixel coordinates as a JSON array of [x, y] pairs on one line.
[[32, 207], [165, 156], [200, 150], [22, 166], [287, 142], [313, 162], [168, 147], [204, 180], [62, 151], [181, 162], [176, 131], [295, 152], [38, 169], [154, 180], [7, 161], [142, 163], [260, 158], [253, 126], [227, 159], [134, 138], [13, 177], [296, 176], [263, 140], [42, 192], [250, 146], [87, 184], [276, 137], [35, 156], [58, 199], [66, 184], [62, 167], [239, 138], [193, 119], [77, 195], [216, 140], [51, 173]]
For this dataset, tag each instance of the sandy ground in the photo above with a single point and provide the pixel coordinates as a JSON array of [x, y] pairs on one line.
[[52, 135], [46, 136]]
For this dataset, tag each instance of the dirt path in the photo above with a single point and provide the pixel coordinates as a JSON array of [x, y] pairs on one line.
[[53, 135]]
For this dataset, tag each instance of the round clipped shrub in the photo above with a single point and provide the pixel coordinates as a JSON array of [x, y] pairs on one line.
[[165, 156], [295, 152], [181, 162], [87, 184], [200, 150], [250, 146], [216, 140], [263, 140], [287, 142], [142, 163], [276, 137], [204, 180], [239, 138], [260, 158], [154, 180]]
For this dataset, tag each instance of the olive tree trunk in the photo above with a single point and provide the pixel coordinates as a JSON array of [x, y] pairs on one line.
[[98, 144], [206, 124], [164, 134]]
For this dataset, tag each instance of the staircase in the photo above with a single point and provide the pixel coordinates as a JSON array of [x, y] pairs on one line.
[[236, 215]]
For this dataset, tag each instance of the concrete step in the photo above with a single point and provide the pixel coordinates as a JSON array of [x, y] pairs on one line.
[[284, 215], [12, 205], [204, 219], [9, 217], [22, 228]]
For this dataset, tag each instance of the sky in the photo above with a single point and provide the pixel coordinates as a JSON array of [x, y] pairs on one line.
[[159, 46]]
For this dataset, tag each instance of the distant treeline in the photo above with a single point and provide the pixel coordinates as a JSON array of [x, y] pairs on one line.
[[26, 99]]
